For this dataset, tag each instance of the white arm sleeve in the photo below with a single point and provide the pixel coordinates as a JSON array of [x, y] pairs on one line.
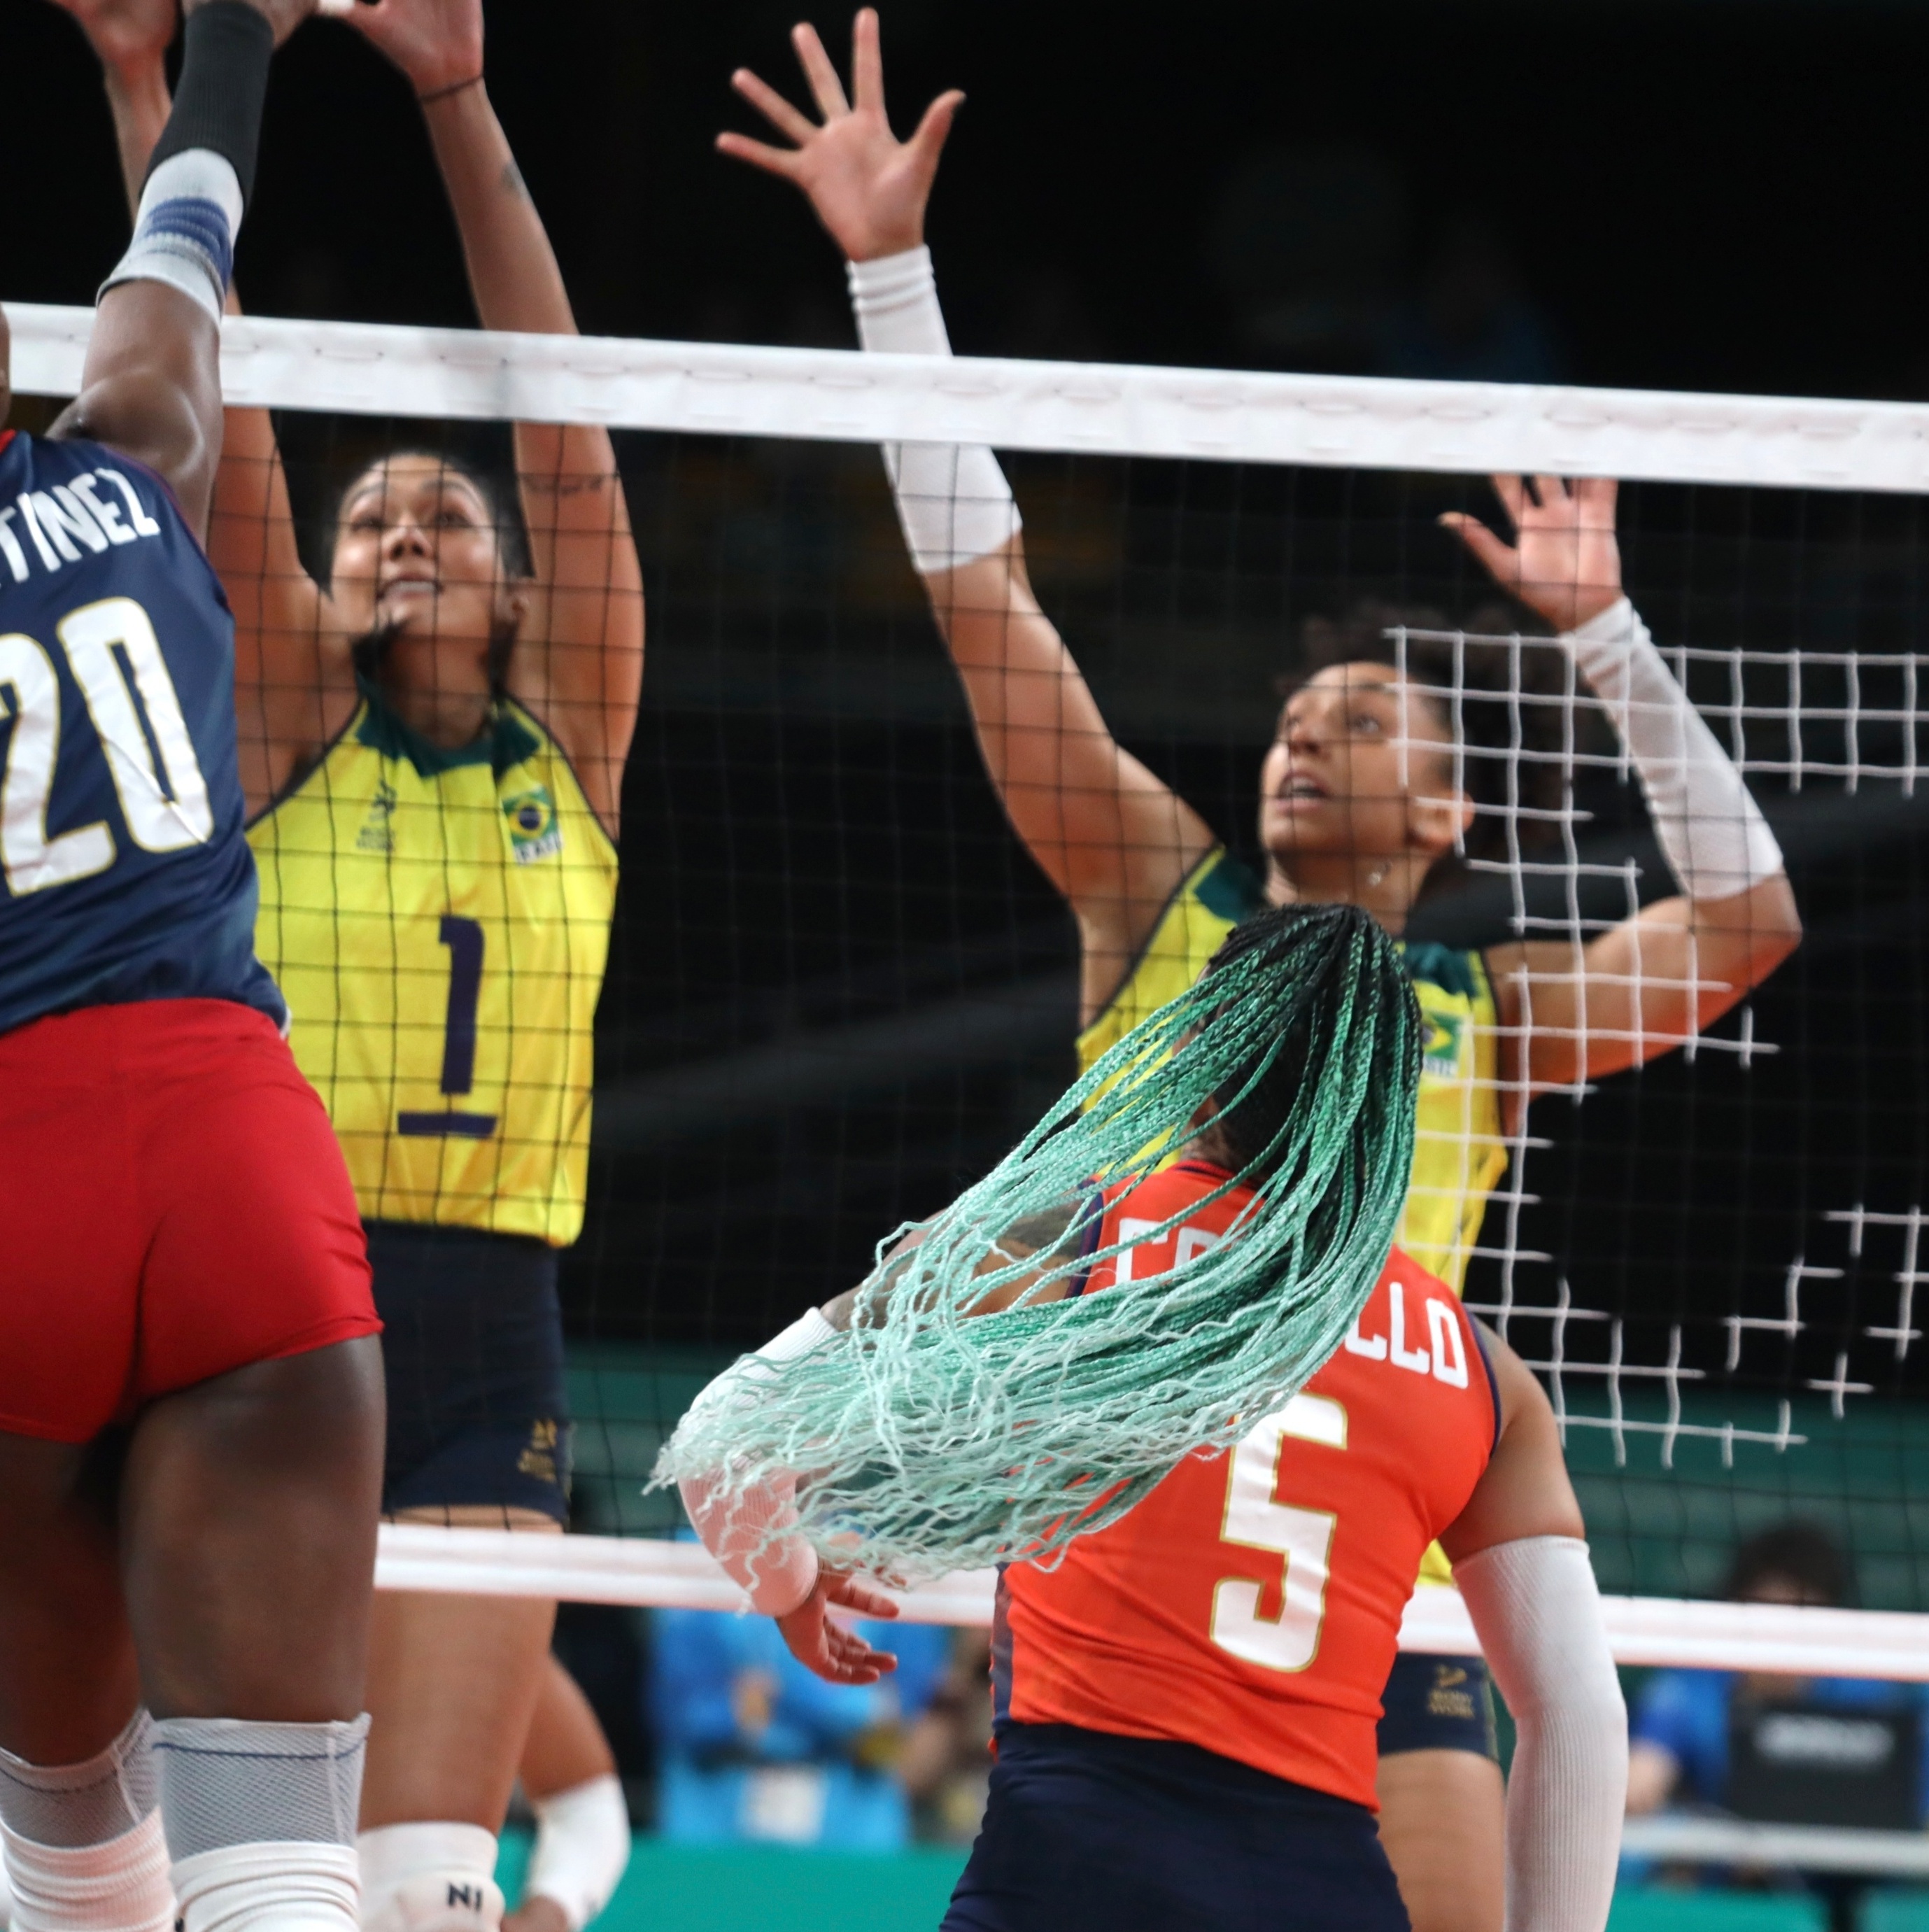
[[746, 1530], [953, 501], [1716, 842], [582, 1848], [1538, 1614]]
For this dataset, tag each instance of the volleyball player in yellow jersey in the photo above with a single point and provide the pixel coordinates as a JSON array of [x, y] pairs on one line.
[[1347, 814], [433, 744]]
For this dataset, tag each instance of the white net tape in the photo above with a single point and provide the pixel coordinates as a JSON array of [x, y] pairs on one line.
[[683, 1576], [1212, 415], [1847, 722]]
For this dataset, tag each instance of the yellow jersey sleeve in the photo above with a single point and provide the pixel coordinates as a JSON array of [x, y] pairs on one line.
[[439, 923]]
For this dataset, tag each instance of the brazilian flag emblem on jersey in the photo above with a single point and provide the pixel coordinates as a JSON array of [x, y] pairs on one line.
[[1442, 1050], [534, 831]]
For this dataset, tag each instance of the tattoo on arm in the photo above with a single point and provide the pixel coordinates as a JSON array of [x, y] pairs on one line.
[[513, 183]]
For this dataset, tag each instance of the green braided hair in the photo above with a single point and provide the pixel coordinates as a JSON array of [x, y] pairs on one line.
[[931, 1435]]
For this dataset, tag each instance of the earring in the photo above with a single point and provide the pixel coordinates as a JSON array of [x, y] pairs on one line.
[[1378, 874]]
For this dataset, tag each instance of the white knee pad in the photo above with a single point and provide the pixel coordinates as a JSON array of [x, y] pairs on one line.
[[582, 1848], [429, 1878], [300, 1885], [119, 1886]]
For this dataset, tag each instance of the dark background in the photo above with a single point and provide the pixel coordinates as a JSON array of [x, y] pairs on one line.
[[839, 990], [1702, 194]]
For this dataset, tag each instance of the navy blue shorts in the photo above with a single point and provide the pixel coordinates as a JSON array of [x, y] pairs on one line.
[[472, 1345], [1142, 1834], [1437, 1703]]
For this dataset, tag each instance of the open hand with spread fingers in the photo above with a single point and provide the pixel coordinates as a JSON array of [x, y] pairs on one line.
[[1565, 562], [868, 188], [833, 1650], [437, 43]]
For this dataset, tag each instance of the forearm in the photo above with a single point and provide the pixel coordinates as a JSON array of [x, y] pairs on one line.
[[512, 270], [139, 98], [1538, 1613], [752, 1531], [1712, 832]]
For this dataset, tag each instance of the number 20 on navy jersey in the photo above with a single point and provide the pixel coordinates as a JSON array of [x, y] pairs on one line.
[[124, 872]]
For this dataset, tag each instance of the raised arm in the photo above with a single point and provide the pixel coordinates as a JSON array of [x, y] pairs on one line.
[[150, 385], [1573, 1012], [1114, 839], [294, 680], [578, 662]]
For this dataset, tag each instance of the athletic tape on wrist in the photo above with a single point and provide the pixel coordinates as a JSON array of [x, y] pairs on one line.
[[953, 502], [1710, 828], [225, 50], [185, 232]]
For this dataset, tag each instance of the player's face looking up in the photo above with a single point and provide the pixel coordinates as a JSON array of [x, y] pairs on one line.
[[1362, 768], [418, 560]]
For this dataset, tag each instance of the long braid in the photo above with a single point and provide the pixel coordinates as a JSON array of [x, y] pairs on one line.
[[929, 1439]]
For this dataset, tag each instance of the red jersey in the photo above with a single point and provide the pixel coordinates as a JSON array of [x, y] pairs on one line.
[[1251, 1604]]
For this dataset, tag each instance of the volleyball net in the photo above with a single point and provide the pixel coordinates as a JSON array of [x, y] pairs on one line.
[[837, 990]]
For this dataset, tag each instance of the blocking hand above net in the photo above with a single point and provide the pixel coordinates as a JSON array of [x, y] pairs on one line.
[[1349, 811]]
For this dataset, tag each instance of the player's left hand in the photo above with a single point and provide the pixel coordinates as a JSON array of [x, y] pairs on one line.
[[1565, 562], [437, 43], [832, 1650], [124, 33]]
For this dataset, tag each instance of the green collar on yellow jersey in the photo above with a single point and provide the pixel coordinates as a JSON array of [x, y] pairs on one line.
[[506, 742]]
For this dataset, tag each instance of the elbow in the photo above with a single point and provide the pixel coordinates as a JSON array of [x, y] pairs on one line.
[[1776, 928]]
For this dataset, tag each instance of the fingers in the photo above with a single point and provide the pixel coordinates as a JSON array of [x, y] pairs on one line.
[[928, 143], [850, 1652], [1597, 496], [1512, 491], [1501, 560], [768, 102], [826, 89], [781, 162], [867, 61], [1551, 490], [856, 1596]]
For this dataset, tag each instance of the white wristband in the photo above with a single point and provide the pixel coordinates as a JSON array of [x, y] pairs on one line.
[[953, 501], [184, 230], [1537, 1612], [750, 1531], [1711, 832]]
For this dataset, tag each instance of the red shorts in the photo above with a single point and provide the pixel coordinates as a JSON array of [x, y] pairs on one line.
[[174, 1207]]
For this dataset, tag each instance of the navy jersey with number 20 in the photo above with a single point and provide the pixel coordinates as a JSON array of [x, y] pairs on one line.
[[125, 874]]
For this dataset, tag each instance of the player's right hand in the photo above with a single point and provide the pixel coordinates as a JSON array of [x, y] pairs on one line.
[[868, 188], [832, 1650], [284, 15], [124, 33]]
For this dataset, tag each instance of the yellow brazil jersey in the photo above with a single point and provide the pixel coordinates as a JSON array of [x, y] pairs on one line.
[[439, 922], [1459, 1155]]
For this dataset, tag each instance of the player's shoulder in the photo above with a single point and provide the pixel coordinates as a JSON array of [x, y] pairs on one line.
[[1171, 1190], [1401, 1267]]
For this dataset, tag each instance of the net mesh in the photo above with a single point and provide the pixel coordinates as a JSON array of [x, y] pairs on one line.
[[837, 991]]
